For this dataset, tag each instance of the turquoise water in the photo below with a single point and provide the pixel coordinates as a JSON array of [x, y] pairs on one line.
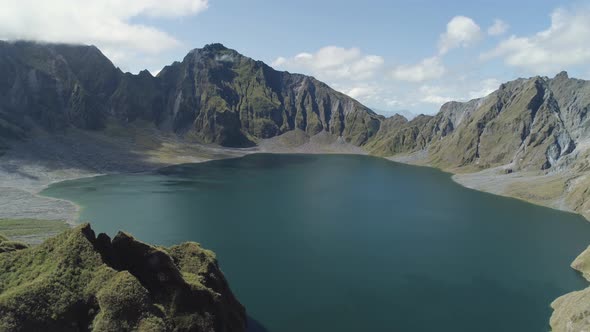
[[351, 243]]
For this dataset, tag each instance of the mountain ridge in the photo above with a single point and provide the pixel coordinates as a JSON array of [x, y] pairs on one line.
[[474, 125], [214, 94]]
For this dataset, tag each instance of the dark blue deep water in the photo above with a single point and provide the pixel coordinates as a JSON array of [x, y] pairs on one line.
[[351, 243]]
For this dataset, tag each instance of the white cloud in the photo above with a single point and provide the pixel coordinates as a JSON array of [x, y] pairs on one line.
[[331, 62], [434, 95], [427, 69], [484, 88], [106, 23], [461, 32], [456, 91], [168, 8], [372, 94], [389, 96], [565, 43], [498, 28], [279, 62], [363, 91], [436, 100], [393, 103]]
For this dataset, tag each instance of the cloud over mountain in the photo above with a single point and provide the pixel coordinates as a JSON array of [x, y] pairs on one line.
[[108, 24], [461, 32], [332, 62]]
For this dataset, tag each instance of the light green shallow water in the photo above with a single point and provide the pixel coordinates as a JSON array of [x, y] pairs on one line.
[[351, 243]]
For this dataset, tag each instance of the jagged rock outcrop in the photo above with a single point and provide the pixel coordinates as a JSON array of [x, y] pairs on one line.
[[215, 94], [79, 282]]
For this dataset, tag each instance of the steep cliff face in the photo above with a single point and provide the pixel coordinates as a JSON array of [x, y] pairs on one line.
[[79, 282], [224, 97], [398, 135], [573, 99], [518, 124], [526, 124], [53, 86], [215, 94]]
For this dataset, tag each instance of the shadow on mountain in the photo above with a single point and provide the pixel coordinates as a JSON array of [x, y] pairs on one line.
[[119, 150]]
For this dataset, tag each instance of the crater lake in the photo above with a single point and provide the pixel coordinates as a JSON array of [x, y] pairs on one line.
[[350, 243]]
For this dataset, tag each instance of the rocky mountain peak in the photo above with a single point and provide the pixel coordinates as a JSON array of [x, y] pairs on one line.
[[398, 117], [217, 52], [562, 76], [215, 47], [145, 73]]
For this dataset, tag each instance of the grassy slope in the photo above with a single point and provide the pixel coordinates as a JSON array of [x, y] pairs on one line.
[[73, 281], [31, 231]]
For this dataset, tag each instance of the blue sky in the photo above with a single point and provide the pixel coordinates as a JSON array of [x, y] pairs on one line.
[[390, 55]]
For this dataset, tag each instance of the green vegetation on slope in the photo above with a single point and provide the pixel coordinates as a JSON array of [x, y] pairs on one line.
[[7, 246], [31, 228], [79, 282]]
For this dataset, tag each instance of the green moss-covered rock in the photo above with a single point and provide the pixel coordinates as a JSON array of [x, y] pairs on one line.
[[46, 287], [77, 281], [125, 305]]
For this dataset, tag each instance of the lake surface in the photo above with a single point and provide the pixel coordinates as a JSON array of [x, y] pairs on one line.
[[351, 243]]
